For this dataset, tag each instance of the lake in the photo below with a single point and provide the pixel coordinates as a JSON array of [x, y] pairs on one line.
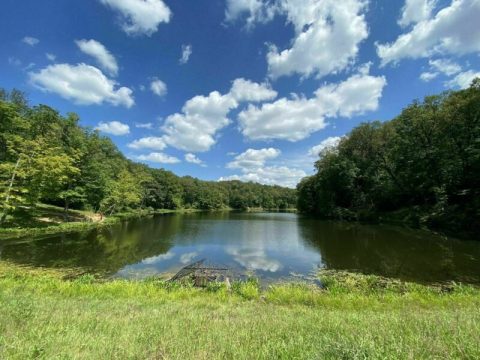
[[271, 246]]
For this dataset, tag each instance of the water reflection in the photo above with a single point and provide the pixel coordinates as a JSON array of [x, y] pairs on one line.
[[393, 251], [272, 245]]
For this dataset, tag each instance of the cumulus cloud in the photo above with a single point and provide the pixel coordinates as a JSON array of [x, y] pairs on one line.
[[253, 158], [202, 116], [415, 11], [157, 157], [445, 66], [246, 90], [151, 142], [29, 40], [140, 17], [296, 118], [463, 80], [158, 87], [195, 128], [81, 83], [328, 34], [254, 11], [428, 76], [270, 175], [113, 128], [328, 143], [457, 77], [452, 30], [253, 166], [191, 158], [100, 53], [186, 52]]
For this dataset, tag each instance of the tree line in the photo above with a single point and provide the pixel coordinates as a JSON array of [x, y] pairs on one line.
[[423, 166], [49, 158]]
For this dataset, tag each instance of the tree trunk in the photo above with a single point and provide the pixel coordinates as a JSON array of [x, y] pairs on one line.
[[9, 190], [65, 209]]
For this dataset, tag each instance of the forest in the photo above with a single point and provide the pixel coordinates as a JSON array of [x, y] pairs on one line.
[[423, 167], [49, 158]]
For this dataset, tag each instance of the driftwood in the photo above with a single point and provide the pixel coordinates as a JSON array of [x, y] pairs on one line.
[[202, 273]]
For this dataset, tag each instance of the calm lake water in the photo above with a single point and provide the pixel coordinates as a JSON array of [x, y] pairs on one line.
[[272, 246]]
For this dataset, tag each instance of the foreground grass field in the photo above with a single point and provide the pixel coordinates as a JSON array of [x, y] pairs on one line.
[[43, 316]]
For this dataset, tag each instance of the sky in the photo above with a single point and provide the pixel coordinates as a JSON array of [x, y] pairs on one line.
[[235, 89]]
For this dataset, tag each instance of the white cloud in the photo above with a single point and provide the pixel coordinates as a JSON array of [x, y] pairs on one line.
[[440, 66], [50, 57], [191, 158], [158, 87], [453, 30], [256, 11], [415, 11], [81, 83], [270, 175], [144, 125], [328, 34], [253, 158], [246, 90], [296, 118], [151, 142], [252, 164], [463, 80], [100, 53], [158, 158], [195, 129], [328, 143], [445, 66], [113, 128], [186, 52], [202, 116], [428, 76], [140, 17], [29, 40]]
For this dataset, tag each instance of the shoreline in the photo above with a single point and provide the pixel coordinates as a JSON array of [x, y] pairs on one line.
[[74, 226], [67, 227]]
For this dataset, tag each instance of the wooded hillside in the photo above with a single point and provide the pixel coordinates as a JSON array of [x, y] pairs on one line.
[[47, 157], [424, 164]]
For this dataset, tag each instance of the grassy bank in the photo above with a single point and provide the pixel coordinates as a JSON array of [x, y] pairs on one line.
[[47, 219], [43, 316]]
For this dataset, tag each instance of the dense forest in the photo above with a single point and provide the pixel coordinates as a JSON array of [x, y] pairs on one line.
[[46, 157], [424, 165]]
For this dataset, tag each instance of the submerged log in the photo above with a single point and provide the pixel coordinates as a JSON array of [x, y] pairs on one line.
[[202, 273]]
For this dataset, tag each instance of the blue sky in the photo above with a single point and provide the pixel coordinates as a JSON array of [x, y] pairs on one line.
[[235, 89]]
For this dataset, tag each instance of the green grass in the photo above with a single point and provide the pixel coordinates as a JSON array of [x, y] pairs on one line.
[[356, 317]]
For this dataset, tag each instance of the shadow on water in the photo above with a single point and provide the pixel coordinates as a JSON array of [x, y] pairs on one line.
[[104, 250], [272, 246], [392, 251]]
